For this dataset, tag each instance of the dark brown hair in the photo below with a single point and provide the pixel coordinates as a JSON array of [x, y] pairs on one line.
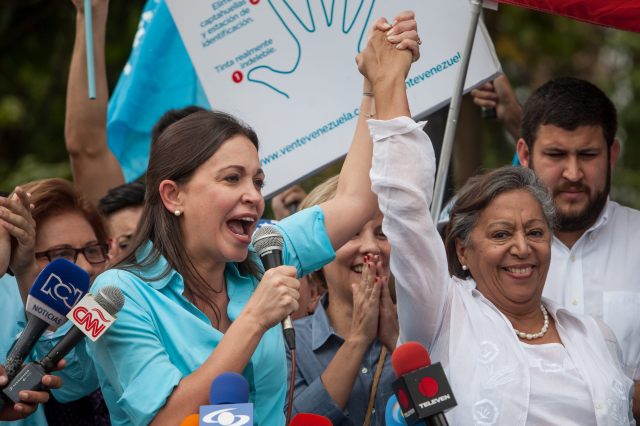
[[176, 155]]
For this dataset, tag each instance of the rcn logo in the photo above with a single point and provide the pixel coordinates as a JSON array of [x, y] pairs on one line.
[[57, 289], [225, 417]]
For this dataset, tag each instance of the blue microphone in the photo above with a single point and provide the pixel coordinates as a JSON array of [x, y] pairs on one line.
[[393, 414], [229, 399], [59, 286]]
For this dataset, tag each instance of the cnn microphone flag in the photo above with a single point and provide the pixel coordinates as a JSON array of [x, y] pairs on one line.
[[90, 318]]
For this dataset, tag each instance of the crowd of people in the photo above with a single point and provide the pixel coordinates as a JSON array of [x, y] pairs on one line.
[[528, 299]]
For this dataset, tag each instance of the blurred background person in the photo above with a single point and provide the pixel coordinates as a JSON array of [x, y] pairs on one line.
[[60, 224], [342, 347]]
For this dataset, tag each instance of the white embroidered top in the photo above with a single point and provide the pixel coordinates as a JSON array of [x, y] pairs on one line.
[[556, 384], [488, 368]]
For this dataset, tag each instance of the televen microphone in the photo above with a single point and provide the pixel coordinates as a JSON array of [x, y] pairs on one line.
[[422, 388], [268, 242], [58, 287], [88, 313]]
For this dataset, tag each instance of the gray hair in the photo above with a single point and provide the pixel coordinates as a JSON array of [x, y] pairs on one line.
[[477, 194]]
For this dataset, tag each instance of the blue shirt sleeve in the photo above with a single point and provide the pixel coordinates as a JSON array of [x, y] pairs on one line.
[[132, 362], [306, 243], [314, 398]]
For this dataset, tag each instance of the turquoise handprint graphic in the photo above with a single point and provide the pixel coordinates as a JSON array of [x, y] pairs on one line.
[[315, 20]]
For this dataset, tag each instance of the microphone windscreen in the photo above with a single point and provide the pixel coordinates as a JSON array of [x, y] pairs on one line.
[[110, 298], [191, 420], [409, 357], [307, 419], [267, 238], [229, 388]]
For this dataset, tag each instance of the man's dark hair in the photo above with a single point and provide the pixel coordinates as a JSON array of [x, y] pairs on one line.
[[121, 197], [568, 103], [170, 117]]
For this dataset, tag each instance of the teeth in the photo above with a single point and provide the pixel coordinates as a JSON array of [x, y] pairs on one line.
[[357, 268], [247, 219], [520, 270]]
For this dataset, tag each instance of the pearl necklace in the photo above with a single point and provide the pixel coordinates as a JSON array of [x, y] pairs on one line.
[[543, 330]]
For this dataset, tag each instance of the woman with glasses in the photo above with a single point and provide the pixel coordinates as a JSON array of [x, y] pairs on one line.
[[48, 219]]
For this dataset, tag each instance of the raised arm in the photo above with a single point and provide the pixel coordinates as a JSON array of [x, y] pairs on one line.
[[94, 167], [402, 176], [354, 204]]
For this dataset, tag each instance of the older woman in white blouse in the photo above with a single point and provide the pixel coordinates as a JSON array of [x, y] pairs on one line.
[[512, 357]]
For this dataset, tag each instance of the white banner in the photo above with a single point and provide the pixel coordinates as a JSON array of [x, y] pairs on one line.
[[288, 69]]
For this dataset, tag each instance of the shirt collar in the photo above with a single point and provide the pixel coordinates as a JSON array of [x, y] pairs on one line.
[[603, 218], [321, 329], [156, 269]]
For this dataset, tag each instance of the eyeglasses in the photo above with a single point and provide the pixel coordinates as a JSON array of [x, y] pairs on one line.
[[95, 253]]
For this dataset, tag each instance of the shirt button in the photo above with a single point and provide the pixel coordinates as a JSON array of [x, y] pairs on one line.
[[573, 258], [598, 406], [574, 301], [365, 370], [592, 237]]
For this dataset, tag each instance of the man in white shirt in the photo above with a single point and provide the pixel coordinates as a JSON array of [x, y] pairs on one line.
[[568, 132]]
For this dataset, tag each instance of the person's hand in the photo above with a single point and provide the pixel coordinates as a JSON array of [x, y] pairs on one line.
[[281, 203], [403, 32], [29, 399], [15, 218], [382, 59], [275, 297], [499, 94], [366, 304], [388, 327], [5, 250]]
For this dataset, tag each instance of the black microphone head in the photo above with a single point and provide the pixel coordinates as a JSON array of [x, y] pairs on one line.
[[110, 298], [267, 238]]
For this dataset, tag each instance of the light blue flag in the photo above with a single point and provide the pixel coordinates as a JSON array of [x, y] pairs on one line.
[[157, 77]]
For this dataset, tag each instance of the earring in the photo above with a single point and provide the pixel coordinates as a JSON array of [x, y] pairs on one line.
[[177, 212], [465, 267]]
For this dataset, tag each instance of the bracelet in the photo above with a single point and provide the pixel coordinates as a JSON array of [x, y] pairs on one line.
[[370, 94]]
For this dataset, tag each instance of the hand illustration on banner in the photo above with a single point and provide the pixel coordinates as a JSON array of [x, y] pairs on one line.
[[325, 24]]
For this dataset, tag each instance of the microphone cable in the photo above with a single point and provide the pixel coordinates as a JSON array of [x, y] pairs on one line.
[[292, 382]]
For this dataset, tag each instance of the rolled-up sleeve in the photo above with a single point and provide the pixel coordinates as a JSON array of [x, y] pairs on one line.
[[307, 245], [133, 365]]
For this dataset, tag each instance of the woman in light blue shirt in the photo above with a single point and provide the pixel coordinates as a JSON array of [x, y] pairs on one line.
[[194, 305]]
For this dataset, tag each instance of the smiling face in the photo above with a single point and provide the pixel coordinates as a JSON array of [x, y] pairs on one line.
[[347, 266], [576, 167], [509, 250], [222, 203]]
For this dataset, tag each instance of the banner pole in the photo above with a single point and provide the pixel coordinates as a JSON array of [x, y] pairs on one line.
[[454, 112]]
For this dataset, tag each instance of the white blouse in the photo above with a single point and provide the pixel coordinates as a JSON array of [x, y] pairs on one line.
[[556, 384], [487, 367]]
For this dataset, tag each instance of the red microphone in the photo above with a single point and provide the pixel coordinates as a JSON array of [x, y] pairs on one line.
[[191, 420], [306, 419], [422, 388]]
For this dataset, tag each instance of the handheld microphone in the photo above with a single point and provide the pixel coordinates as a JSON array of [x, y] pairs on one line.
[[422, 388], [268, 242], [90, 317], [306, 419], [229, 396], [58, 287]]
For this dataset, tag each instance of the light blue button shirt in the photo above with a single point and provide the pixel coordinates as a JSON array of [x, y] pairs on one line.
[[160, 337], [12, 321]]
